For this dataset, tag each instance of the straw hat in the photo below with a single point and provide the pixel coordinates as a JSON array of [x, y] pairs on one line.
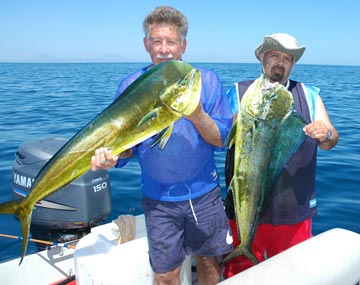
[[281, 42]]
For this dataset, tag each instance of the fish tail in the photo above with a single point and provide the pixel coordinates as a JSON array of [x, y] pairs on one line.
[[23, 211], [250, 255], [239, 251], [9, 207]]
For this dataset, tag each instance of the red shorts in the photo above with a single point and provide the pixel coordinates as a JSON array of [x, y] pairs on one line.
[[269, 240]]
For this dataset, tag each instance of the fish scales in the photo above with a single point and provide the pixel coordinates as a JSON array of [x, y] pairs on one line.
[[265, 118], [151, 104]]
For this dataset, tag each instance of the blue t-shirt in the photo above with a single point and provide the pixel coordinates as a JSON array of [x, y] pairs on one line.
[[185, 168]]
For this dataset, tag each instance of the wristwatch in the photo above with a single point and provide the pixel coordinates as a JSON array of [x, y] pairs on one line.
[[329, 136]]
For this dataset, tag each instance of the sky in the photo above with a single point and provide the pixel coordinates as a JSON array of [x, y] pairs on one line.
[[219, 30]]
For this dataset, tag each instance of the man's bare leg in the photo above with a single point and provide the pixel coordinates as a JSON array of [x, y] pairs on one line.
[[168, 278], [208, 270]]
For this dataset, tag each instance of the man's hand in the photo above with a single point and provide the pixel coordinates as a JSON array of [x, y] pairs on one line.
[[317, 130], [103, 159]]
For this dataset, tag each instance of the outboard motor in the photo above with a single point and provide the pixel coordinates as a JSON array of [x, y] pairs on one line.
[[70, 212]]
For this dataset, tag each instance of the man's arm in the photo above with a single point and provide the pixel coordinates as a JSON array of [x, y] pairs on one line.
[[319, 129], [206, 127]]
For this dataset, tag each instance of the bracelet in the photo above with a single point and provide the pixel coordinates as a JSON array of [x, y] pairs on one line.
[[329, 137]]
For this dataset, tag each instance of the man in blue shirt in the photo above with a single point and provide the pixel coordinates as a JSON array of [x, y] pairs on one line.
[[180, 183]]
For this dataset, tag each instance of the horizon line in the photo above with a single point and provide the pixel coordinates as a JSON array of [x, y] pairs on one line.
[[147, 62]]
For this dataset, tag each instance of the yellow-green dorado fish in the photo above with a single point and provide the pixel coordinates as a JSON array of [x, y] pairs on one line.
[[266, 134], [151, 104]]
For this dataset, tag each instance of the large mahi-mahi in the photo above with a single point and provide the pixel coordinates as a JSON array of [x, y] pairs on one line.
[[150, 105], [267, 132]]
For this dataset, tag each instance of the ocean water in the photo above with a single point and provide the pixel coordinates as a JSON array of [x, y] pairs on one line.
[[42, 100]]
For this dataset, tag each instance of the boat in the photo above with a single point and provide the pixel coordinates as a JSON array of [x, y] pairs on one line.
[[330, 258]]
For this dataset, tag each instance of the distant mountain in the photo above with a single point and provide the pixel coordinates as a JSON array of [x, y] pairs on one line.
[[50, 58]]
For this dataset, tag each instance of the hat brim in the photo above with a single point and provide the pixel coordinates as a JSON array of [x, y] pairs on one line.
[[272, 44]]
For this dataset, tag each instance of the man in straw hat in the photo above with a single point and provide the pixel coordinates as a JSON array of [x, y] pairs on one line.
[[286, 217]]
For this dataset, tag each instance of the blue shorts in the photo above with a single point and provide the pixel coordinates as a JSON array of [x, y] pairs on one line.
[[193, 227]]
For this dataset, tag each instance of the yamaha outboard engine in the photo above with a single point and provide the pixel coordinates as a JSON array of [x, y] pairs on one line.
[[70, 212]]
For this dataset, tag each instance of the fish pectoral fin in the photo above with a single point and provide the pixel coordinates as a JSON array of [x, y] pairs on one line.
[[231, 185], [290, 138], [153, 114], [231, 136], [163, 137]]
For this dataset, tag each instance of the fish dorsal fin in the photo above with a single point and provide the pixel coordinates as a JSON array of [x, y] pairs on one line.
[[290, 138], [153, 114], [163, 137]]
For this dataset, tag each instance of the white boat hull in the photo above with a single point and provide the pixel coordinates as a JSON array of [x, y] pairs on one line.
[[330, 258]]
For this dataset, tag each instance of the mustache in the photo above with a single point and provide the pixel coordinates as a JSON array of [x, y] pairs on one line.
[[279, 67], [165, 56]]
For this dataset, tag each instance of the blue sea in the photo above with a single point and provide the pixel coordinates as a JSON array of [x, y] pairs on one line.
[[57, 99]]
